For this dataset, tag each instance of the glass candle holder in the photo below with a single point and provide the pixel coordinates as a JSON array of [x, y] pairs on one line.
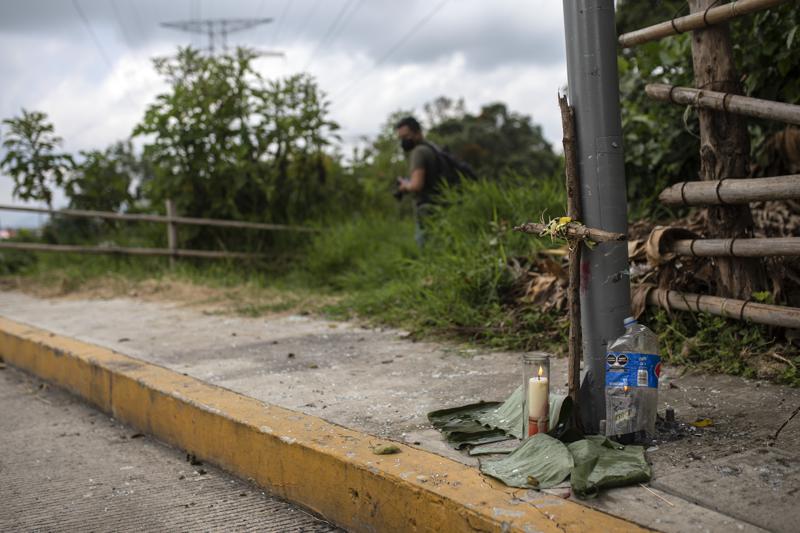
[[536, 403]]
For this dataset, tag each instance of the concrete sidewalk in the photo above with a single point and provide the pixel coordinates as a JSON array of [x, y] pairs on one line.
[[383, 384], [66, 467]]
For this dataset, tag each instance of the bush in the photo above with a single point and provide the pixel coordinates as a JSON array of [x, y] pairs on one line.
[[361, 254], [461, 283], [18, 261]]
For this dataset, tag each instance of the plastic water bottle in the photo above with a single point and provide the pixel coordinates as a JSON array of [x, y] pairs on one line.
[[632, 370]]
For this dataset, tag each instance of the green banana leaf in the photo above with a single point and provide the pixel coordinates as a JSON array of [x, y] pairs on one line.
[[461, 426], [486, 422], [503, 447], [601, 464], [540, 463], [592, 463]]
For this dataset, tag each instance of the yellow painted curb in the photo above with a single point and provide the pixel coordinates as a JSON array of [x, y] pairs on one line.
[[324, 467]]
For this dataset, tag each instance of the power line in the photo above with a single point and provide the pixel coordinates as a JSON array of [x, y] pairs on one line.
[[280, 22], [137, 19], [122, 27], [396, 46], [333, 25], [98, 45], [96, 41], [309, 16], [343, 25]]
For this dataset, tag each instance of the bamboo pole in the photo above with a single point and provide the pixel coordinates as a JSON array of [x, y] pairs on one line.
[[69, 248], [767, 314], [732, 191], [728, 102], [782, 246], [695, 21], [573, 230], [573, 211], [141, 217]]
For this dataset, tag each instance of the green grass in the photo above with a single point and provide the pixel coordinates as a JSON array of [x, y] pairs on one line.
[[463, 285], [460, 285], [712, 343]]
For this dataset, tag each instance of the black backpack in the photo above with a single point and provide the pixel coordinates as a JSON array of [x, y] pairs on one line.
[[451, 169]]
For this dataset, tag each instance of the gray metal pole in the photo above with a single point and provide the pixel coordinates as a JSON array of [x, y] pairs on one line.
[[605, 282]]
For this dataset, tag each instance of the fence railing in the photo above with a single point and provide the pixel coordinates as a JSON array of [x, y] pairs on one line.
[[171, 220], [728, 191]]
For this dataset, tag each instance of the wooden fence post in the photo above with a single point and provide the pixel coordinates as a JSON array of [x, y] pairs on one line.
[[172, 233], [724, 152]]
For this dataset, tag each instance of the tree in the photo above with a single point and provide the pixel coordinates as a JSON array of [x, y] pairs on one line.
[[32, 159], [103, 179], [494, 142], [228, 144], [377, 164]]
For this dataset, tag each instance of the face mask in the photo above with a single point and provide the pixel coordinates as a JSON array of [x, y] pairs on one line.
[[407, 144]]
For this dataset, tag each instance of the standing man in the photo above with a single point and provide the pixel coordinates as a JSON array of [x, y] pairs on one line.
[[423, 169]]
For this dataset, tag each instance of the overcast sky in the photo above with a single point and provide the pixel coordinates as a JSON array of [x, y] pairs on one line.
[[88, 67]]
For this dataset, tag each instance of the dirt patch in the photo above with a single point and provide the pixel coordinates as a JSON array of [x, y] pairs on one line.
[[242, 300]]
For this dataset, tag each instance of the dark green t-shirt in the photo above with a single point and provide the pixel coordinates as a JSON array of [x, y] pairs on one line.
[[423, 156]]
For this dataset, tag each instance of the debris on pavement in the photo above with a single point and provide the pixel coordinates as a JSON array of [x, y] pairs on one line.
[[385, 449], [702, 423]]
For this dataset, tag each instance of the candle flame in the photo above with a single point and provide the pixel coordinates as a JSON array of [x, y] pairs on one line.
[[541, 371]]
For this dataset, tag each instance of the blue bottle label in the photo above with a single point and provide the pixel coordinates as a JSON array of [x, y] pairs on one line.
[[625, 369]]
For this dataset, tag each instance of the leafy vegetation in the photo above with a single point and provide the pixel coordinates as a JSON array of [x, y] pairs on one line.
[[224, 142], [495, 142], [715, 343], [462, 284], [661, 144], [32, 159]]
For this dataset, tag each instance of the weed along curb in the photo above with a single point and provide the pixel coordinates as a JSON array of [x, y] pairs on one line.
[[327, 468]]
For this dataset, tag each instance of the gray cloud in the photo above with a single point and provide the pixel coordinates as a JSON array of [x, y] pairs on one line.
[[507, 50], [488, 34]]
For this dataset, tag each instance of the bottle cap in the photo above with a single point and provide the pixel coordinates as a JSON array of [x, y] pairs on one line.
[[629, 321]]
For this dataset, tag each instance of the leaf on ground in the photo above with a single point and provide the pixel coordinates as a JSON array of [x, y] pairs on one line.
[[702, 423], [541, 462], [385, 449]]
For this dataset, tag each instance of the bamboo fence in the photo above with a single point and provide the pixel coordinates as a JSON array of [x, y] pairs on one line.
[[764, 247], [728, 102], [767, 314], [696, 21], [727, 191], [732, 191]]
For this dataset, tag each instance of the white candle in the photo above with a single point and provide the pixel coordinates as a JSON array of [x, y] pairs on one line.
[[537, 397]]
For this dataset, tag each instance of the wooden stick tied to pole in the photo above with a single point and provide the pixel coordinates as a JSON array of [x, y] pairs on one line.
[[572, 230], [575, 245]]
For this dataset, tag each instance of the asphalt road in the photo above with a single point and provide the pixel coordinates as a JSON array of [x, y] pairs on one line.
[[65, 466]]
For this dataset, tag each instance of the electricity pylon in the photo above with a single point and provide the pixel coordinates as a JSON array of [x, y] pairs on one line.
[[217, 30]]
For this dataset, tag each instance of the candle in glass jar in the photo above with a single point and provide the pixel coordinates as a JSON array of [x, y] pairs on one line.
[[537, 396]]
